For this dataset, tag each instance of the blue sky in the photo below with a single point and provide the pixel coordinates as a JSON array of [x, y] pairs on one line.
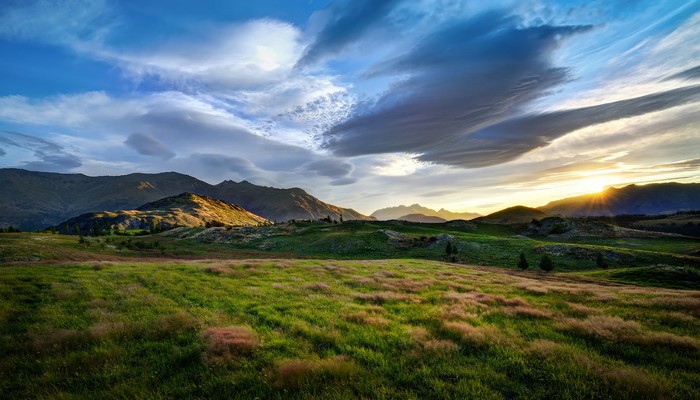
[[471, 106]]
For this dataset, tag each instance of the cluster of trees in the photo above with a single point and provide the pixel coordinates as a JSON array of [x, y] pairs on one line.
[[330, 220], [546, 263], [451, 251], [9, 229]]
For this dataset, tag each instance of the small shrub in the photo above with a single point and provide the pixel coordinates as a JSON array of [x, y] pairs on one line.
[[546, 263]]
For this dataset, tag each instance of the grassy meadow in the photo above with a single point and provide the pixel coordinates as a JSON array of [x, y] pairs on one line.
[[333, 311]]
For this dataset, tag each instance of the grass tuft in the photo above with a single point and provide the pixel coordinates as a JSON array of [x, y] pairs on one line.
[[228, 343]]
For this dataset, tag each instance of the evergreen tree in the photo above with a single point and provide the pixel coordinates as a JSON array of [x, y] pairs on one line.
[[76, 229], [448, 249], [96, 229], [600, 261], [522, 263], [546, 263], [454, 249]]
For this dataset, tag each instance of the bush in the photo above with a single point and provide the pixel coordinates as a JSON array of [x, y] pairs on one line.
[[522, 263], [546, 263]]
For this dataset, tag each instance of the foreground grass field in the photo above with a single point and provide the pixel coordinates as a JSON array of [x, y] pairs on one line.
[[339, 329]]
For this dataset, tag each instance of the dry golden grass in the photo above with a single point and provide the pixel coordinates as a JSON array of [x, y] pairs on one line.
[[102, 330], [605, 327], [544, 347], [617, 329], [175, 323], [293, 374], [691, 305], [228, 343], [532, 288], [219, 270], [526, 311], [635, 384], [53, 339], [383, 297], [667, 339], [362, 317], [318, 287], [581, 309], [457, 311], [426, 343], [474, 334]]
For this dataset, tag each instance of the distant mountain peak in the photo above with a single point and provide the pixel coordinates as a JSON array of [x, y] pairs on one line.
[[416, 209]]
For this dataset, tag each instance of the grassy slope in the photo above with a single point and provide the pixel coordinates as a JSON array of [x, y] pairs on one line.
[[119, 322], [339, 329]]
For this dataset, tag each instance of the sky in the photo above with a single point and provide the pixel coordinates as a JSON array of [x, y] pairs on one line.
[[464, 105]]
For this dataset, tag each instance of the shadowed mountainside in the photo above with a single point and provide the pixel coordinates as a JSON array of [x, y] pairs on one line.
[[185, 209], [34, 200], [657, 198], [513, 215]]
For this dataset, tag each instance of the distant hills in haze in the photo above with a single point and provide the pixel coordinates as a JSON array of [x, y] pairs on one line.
[[34, 200], [414, 210], [185, 209]]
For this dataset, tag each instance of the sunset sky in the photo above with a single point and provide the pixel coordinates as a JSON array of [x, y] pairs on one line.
[[363, 103]]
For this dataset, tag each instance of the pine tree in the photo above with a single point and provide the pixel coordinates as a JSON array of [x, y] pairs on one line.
[[522, 263], [448, 249], [546, 263], [600, 261]]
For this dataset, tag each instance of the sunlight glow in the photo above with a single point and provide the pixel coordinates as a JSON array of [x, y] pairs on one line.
[[592, 185]]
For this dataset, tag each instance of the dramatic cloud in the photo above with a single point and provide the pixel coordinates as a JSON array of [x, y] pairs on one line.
[[49, 156], [149, 146], [2, 152], [687, 75], [463, 78], [348, 22], [508, 140]]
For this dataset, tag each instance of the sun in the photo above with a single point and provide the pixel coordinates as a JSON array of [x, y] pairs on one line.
[[592, 185]]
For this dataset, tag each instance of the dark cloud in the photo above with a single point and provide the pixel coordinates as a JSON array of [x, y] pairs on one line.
[[349, 20], [2, 152], [241, 166], [687, 75], [50, 156], [149, 146], [331, 167], [506, 141], [343, 181], [464, 78]]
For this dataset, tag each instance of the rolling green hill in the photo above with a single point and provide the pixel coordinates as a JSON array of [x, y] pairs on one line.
[[185, 209]]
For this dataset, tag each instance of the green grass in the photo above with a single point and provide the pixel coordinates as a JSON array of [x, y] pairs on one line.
[[335, 311], [339, 329]]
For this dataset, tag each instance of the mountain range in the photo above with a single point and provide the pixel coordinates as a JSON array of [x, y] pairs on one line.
[[655, 198], [399, 212], [34, 200]]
